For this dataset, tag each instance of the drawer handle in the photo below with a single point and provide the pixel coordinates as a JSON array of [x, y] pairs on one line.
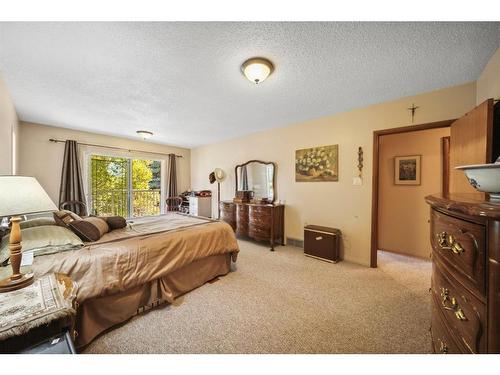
[[319, 238], [443, 348], [454, 306], [448, 242]]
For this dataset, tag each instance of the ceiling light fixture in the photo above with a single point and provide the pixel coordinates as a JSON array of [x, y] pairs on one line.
[[144, 134], [257, 69]]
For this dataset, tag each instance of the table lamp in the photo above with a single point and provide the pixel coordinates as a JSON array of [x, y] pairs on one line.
[[20, 195]]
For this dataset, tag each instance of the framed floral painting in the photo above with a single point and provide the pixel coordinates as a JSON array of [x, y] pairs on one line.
[[317, 164]]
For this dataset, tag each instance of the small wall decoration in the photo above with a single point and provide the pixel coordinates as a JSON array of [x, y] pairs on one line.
[[317, 164], [407, 170], [360, 161]]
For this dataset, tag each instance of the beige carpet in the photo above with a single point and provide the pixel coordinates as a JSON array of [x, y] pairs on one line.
[[284, 302]]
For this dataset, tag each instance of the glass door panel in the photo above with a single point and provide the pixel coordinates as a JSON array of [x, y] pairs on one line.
[[146, 187], [109, 186]]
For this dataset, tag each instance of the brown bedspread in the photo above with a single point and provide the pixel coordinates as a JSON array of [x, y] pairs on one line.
[[146, 250]]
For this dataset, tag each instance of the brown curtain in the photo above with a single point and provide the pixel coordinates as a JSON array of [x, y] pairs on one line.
[[71, 180], [172, 176]]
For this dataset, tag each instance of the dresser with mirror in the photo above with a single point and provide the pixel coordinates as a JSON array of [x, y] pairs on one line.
[[253, 212]]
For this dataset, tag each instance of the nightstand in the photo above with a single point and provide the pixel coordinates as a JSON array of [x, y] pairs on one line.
[[34, 314], [59, 344]]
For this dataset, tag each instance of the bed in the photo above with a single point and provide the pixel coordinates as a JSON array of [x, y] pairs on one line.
[[151, 261]]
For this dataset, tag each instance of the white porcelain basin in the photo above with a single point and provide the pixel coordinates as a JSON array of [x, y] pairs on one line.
[[484, 177]]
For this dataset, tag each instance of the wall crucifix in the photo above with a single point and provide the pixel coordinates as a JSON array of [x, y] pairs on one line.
[[412, 109]]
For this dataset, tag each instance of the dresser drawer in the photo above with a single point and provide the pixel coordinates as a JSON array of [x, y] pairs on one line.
[[442, 341], [242, 219], [463, 312], [258, 221], [461, 246], [259, 217], [242, 209], [259, 232], [260, 210], [228, 213]]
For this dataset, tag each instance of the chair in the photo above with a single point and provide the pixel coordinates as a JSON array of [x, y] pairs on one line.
[[74, 206], [174, 204]]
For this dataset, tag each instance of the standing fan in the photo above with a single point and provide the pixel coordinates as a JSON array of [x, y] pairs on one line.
[[217, 175]]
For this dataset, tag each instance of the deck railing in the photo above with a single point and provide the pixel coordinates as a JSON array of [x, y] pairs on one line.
[[116, 202]]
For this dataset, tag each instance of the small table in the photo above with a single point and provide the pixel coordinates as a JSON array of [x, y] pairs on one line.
[[30, 315]]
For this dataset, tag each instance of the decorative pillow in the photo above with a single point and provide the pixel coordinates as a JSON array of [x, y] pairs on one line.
[[64, 217], [89, 229], [38, 222], [42, 240], [115, 222]]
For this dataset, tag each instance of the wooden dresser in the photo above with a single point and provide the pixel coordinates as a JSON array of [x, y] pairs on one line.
[[465, 287], [261, 222]]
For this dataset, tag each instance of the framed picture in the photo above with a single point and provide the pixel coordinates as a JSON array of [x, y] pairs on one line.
[[407, 170], [317, 164]]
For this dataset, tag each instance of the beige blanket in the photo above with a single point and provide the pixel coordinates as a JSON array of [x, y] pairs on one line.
[[147, 249]]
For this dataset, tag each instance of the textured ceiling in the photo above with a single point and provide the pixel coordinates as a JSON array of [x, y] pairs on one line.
[[183, 82]]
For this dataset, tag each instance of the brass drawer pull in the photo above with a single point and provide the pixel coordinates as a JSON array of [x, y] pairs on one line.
[[448, 242], [454, 306], [319, 238], [443, 348]]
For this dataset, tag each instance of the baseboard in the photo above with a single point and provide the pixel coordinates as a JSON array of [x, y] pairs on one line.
[[295, 242], [407, 254]]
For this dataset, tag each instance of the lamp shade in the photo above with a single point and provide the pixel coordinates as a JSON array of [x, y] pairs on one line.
[[21, 195]]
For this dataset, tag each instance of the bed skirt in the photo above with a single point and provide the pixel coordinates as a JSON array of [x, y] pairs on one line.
[[96, 315]]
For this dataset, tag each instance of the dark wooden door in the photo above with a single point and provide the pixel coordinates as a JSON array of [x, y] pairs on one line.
[[471, 143], [445, 153]]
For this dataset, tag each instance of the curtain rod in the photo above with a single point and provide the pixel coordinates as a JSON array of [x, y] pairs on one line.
[[114, 148]]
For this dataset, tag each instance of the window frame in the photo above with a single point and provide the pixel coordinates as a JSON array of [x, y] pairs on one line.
[[87, 155]]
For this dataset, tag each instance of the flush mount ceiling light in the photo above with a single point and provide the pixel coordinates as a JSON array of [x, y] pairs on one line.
[[257, 69], [144, 134]]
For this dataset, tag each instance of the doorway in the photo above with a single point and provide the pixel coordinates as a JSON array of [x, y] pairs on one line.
[[401, 192]]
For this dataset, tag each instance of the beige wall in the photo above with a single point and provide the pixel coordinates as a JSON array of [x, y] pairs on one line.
[[403, 213], [488, 83], [8, 132], [336, 204], [43, 159]]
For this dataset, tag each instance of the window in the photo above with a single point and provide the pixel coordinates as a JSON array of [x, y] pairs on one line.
[[124, 186]]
